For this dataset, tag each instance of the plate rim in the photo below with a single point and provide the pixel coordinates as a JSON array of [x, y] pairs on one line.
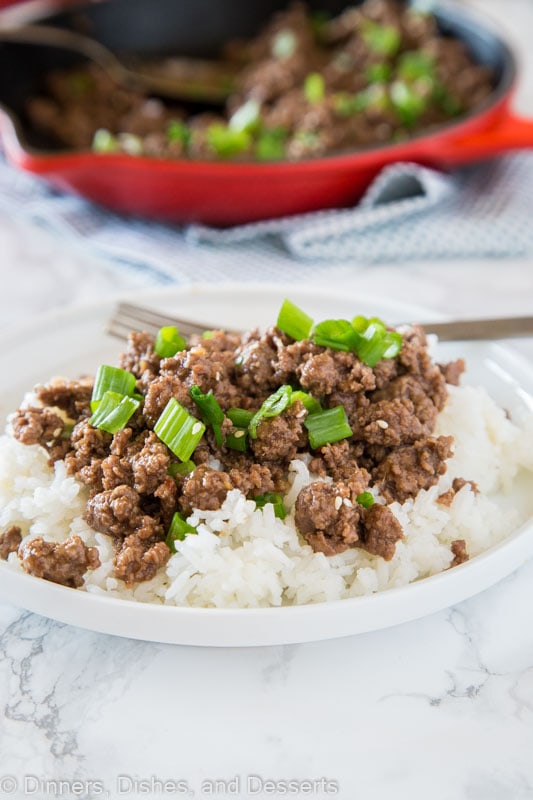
[[431, 585]]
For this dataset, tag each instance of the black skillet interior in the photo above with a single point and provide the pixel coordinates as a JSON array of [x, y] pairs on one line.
[[193, 28]]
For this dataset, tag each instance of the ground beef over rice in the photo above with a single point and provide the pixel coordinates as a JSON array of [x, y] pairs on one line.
[[134, 491]]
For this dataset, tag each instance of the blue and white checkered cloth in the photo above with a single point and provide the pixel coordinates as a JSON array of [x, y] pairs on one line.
[[408, 213]]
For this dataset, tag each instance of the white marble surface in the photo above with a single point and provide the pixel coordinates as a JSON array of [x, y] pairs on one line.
[[440, 708]]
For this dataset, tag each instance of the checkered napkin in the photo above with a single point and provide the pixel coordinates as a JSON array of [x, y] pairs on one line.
[[408, 213]]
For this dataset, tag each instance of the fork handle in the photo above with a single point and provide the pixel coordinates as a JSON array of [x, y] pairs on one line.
[[464, 330]]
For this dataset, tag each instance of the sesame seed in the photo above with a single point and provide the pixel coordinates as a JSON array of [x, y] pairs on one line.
[[196, 428], [382, 424], [347, 502], [301, 413], [57, 432], [239, 434], [338, 503], [217, 375]]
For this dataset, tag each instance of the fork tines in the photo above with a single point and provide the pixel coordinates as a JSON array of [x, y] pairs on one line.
[[129, 317]]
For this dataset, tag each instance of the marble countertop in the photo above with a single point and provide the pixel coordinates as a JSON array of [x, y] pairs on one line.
[[441, 707]]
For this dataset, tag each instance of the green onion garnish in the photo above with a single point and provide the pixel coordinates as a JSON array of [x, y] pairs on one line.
[[247, 117], [168, 342], [179, 430], [105, 142], [382, 39], [314, 88], [130, 143], [181, 468], [275, 499], [416, 64], [339, 334], [374, 96], [270, 144], [226, 142], [208, 335], [365, 499], [240, 417], [378, 73], [112, 379], [178, 530], [114, 412], [284, 44], [293, 321], [178, 131], [408, 103], [376, 342], [307, 400], [273, 406], [326, 427], [237, 440], [210, 411]]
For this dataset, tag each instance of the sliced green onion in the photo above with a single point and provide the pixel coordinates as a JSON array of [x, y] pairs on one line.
[[178, 131], [237, 440], [112, 379], [210, 411], [365, 499], [374, 96], [247, 117], [293, 321], [394, 342], [314, 88], [339, 334], [181, 468], [178, 530], [105, 142], [416, 64], [270, 144], [408, 103], [382, 39], [274, 499], [168, 341], [179, 430], [114, 412], [226, 142], [208, 335], [273, 406], [327, 427], [379, 73], [130, 143], [307, 400], [240, 417], [284, 44]]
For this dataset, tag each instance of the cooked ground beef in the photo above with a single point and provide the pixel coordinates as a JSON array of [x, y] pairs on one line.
[[37, 426], [460, 552], [447, 498], [381, 531], [61, 562], [410, 468], [380, 72], [72, 397], [134, 491], [9, 541], [328, 516]]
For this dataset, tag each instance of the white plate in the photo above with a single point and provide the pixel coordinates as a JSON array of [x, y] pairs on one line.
[[73, 342]]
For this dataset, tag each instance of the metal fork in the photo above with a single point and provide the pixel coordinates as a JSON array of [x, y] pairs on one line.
[[129, 317]]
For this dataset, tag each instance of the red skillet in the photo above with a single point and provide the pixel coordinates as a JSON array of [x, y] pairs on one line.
[[222, 193]]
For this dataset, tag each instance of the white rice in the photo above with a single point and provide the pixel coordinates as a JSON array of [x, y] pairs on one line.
[[246, 557]]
